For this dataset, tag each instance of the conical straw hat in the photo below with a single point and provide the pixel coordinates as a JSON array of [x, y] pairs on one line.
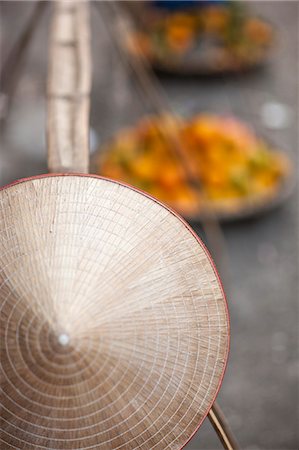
[[114, 323]]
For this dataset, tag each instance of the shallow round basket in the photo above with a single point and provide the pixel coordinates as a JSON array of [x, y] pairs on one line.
[[240, 209], [252, 207], [115, 329], [204, 59], [205, 67]]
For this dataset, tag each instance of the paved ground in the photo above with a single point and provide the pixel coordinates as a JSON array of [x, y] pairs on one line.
[[260, 391]]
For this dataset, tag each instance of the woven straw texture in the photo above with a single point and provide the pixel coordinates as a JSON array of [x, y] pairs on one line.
[[114, 324]]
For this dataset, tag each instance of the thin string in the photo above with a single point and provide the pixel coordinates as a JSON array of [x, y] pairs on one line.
[[155, 95]]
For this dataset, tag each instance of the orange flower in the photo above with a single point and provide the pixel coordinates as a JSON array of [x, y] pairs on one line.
[[179, 37], [215, 19], [258, 31]]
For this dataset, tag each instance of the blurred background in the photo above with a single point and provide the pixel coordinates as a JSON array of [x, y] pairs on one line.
[[224, 78]]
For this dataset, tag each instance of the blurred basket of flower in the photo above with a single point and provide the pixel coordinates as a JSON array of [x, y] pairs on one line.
[[236, 168], [213, 38]]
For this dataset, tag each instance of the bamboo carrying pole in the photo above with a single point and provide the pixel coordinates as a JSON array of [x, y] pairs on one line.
[[69, 89], [114, 322]]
